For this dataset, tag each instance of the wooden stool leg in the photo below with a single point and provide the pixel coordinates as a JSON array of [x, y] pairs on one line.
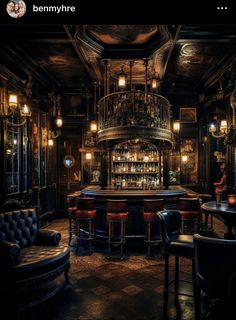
[[70, 229], [122, 238], [148, 238], [90, 235], [78, 235], [109, 237]]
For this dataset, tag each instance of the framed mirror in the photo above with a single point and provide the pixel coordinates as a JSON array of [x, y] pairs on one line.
[[68, 161]]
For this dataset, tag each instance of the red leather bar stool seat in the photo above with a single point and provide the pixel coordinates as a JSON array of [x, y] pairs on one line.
[[148, 216], [150, 208], [85, 213], [117, 215], [85, 221], [189, 210], [71, 209]]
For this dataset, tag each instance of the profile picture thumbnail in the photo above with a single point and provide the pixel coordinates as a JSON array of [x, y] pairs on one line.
[[16, 8]]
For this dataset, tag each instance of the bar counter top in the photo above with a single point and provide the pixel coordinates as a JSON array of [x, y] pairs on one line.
[[178, 192]]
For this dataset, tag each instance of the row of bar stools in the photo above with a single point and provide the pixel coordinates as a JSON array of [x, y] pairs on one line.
[[85, 222], [71, 209], [150, 208], [117, 215]]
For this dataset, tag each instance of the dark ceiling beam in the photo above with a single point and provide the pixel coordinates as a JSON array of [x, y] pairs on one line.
[[215, 73], [212, 41], [208, 32], [170, 51], [81, 54], [12, 79], [51, 41], [15, 53]]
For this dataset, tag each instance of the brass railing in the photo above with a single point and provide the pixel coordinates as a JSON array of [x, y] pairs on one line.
[[134, 109]]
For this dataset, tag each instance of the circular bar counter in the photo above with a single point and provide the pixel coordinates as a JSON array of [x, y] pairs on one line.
[[135, 225]]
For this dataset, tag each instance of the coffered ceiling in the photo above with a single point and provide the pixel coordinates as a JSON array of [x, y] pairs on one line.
[[71, 57]]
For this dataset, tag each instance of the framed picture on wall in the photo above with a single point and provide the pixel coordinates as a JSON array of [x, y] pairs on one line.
[[188, 115]]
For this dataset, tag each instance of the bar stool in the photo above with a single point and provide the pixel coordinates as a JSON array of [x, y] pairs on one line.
[[150, 208], [85, 218], [117, 216], [204, 227], [189, 210], [71, 209]]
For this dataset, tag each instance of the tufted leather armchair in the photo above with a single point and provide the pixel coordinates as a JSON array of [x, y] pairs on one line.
[[215, 261], [29, 256]]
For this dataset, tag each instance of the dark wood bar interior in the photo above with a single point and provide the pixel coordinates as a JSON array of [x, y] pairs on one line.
[[118, 171]]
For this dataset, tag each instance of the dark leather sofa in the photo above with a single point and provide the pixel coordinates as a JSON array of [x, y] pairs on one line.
[[31, 258]]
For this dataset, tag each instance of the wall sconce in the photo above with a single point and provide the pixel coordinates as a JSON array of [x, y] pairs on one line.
[[184, 159], [50, 139], [154, 82], [122, 80], [88, 155], [53, 135], [176, 126], [225, 131], [222, 132], [93, 126], [59, 121], [13, 108]]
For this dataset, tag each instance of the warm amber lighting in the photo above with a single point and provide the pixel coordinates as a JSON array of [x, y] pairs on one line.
[[231, 199], [88, 156], [212, 128], [25, 111], [184, 159], [122, 80], [154, 83], [12, 100], [50, 142], [223, 126], [93, 126], [176, 126], [59, 122]]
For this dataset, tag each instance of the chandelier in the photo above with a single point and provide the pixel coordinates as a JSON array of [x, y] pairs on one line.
[[129, 113]]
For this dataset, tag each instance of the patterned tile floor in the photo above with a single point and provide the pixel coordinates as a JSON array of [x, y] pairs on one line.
[[101, 289]]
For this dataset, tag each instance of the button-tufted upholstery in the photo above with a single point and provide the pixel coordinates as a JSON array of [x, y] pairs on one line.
[[19, 226], [29, 255]]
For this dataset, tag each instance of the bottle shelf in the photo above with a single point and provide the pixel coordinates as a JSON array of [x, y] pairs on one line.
[[143, 173], [136, 165], [138, 161]]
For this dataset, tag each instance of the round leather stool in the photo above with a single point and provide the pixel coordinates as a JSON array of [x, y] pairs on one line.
[[189, 210], [117, 216], [150, 208], [71, 209], [85, 222]]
